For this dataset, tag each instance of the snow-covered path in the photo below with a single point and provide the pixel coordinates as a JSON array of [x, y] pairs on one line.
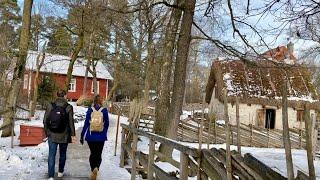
[[110, 164], [31, 162]]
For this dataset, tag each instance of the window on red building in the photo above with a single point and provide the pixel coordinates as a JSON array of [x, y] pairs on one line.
[[72, 85]]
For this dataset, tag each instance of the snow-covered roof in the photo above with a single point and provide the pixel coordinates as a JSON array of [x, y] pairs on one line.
[[58, 64], [261, 84]]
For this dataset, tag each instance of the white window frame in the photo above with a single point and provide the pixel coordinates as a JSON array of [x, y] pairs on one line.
[[25, 81], [73, 85], [98, 88]]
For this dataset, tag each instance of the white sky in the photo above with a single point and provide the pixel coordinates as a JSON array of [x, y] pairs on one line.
[[47, 7]]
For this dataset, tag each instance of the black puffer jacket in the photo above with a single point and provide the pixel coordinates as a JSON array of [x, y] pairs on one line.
[[64, 137]]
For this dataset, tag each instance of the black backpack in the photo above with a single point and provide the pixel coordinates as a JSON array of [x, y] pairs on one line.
[[58, 118]]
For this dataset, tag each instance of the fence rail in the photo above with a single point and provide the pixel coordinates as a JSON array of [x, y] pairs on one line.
[[204, 163], [249, 135]]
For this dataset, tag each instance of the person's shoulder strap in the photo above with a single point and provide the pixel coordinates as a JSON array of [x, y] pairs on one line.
[[93, 109], [101, 108]]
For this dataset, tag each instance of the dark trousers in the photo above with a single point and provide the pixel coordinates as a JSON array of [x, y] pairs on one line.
[[95, 154], [52, 156]]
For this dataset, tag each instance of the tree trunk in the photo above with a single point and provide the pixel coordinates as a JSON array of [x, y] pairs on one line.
[[149, 69], [19, 69], [94, 74], [35, 83], [180, 69], [286, 135], [308, 123], [73, 59], [163, 102], [116, 68], [85, 82]]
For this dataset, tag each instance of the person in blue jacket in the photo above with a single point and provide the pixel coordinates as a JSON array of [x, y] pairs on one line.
[[95, 140]]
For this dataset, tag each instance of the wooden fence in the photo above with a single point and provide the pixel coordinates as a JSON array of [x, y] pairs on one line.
[[205, 163], [249, 135]]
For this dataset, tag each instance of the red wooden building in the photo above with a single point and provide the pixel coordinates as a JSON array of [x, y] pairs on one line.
[[57, 65]]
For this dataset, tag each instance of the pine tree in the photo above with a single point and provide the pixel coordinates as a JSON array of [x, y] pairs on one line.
[[60, 41], [9, 20], [46, 90]]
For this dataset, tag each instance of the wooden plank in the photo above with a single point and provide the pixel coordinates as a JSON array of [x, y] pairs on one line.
[[237, 158], [168, 159], [213, 168], [308, 124], [133, 154], [143, 159], [226, 118], [117, 131], [161, 174], [238, 126], [122, 155], [263, 170], [151, 159], [302, 176], [184, 170], [174, 144]]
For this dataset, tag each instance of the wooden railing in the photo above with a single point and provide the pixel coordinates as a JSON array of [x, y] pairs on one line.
[[147, 160], [203, 163], [249, 135]]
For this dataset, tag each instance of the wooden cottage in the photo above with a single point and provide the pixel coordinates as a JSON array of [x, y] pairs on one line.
[[258, 88], [57, 66]]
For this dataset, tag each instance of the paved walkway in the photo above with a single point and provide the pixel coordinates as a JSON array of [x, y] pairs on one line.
[[77, 165]]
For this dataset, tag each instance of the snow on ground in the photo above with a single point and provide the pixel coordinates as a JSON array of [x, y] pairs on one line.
[[21, 162], [273, 157], [110, 163]]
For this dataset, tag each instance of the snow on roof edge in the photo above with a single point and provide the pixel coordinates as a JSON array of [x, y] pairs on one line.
[[58, 64]]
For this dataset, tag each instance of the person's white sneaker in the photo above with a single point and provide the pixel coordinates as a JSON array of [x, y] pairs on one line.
[[51, 178], [60, 174]]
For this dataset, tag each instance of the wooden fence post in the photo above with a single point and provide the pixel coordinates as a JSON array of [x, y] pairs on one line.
[[300, 134], [134, 160], [209, 132], [122, 155], [238, 126], [286, 135], [314, 135], [184, 161], [151, 159], [215, 131], [116, 143], [228, 153], [251, 135], [312, 173], [200, 138]]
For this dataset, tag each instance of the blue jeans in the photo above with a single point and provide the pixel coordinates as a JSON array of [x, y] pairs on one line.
[[52, 156]]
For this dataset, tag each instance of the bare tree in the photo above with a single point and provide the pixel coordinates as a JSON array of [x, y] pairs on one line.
[[163, 103], [180, 68], [18, 70]]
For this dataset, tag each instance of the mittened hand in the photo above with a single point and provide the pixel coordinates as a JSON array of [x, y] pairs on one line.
[[81, 141]]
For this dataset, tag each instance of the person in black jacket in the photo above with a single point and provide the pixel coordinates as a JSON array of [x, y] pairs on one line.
[[59, 128], [94, 139]]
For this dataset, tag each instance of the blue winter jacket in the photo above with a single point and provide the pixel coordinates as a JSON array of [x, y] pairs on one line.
[[95, 136]]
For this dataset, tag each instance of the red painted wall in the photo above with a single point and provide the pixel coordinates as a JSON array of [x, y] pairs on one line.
[[60, 81]]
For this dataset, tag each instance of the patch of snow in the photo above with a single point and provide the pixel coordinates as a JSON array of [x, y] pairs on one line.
[[288, 61], [167, 167], [21, 162]]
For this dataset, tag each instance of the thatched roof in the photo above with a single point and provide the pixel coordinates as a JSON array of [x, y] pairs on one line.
[[261, 83]]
